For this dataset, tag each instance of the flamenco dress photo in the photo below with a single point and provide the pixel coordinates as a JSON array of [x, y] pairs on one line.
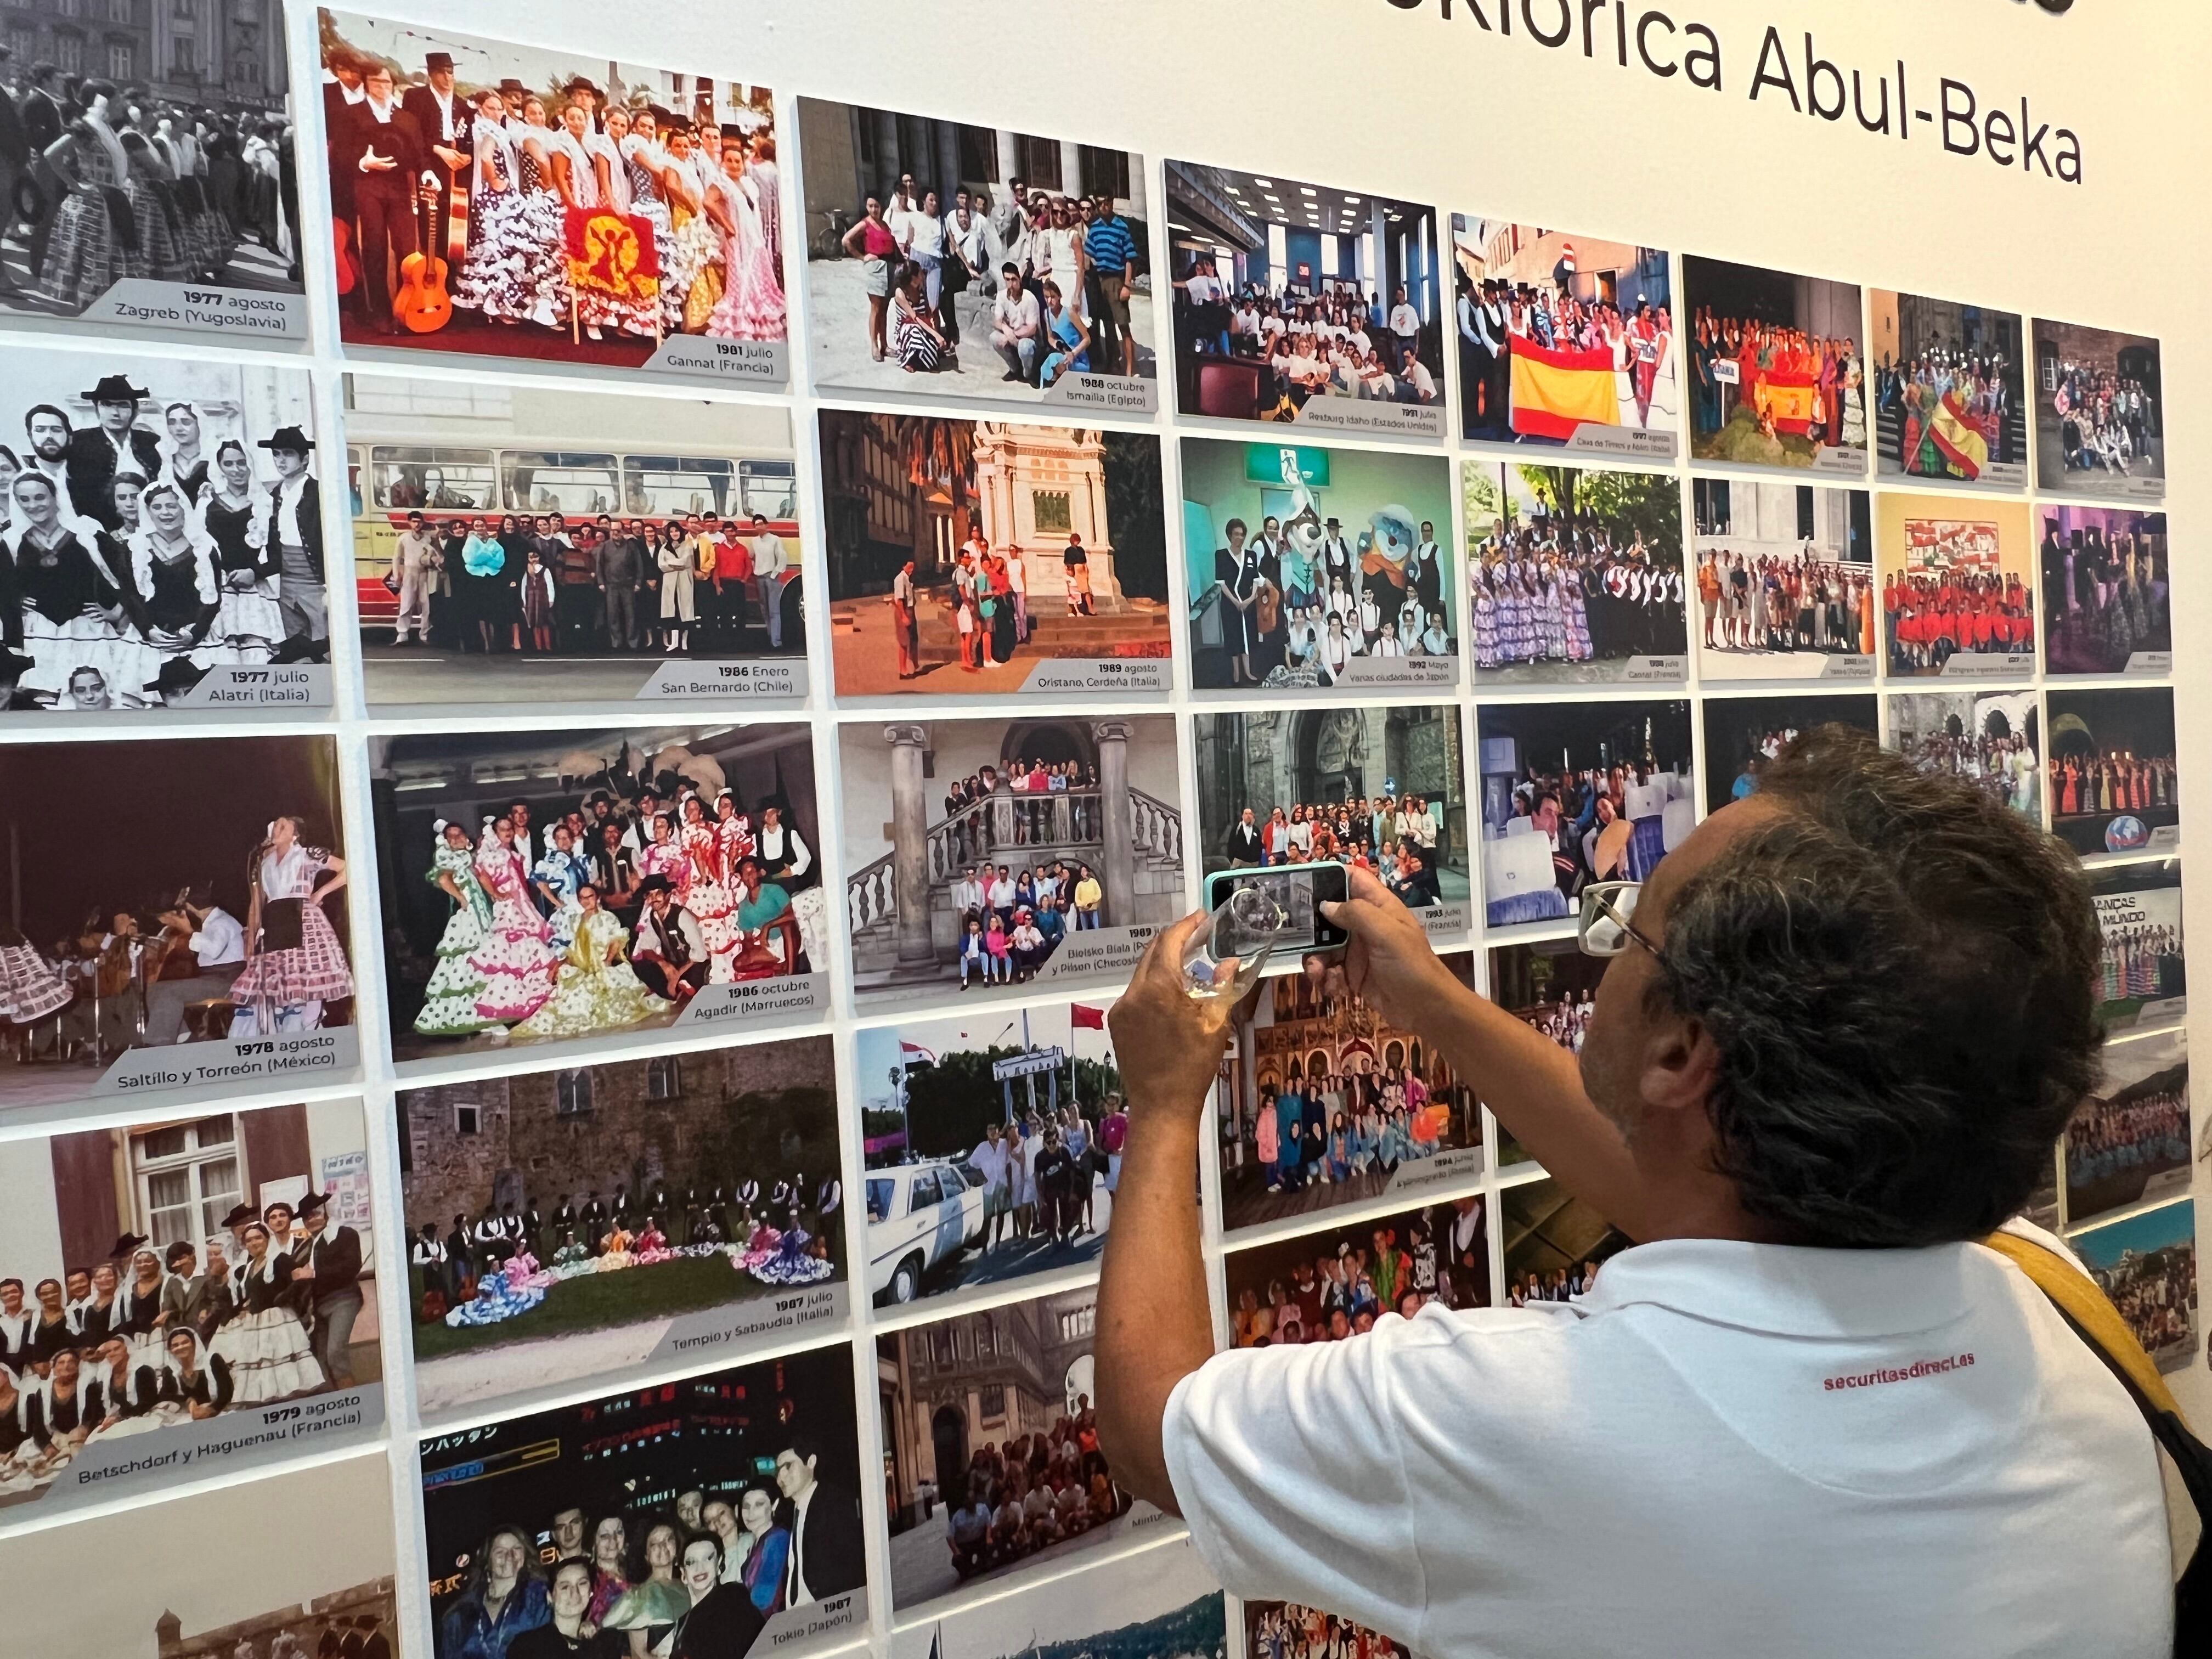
[[452, 1001]]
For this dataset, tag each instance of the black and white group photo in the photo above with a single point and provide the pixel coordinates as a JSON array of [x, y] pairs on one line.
[[159, 518], [170, 163]]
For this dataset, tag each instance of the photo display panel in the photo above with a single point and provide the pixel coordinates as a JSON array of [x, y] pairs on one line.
[[1574, 792], [1779, 379], [1334, 1282], [517, 544], [213, 959], [216, 1310], [727, 1503], [975, 262], [1785, 580], [342, 1592], [820, 606], [2100, 413], [1323, 1103], [2108, 581], [608, 882], [1385, 785], [494, 200], [166, 210], [1158, 1601], [998, 853], [975, 558], [998, 1410], [1566, 341], [539, 1256], [993, 1148], [1948, 391], [1575, 576], [1297, 302], [165, 537], [1312, 568]]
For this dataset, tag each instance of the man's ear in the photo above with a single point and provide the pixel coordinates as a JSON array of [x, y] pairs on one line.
[[1681, 1064]]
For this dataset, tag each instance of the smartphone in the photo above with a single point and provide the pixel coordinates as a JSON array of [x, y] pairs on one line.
[[1301, 889]]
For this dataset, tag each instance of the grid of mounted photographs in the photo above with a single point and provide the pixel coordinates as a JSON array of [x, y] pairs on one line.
[[605, 1048]]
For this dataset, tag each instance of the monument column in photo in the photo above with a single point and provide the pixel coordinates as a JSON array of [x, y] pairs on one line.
[[1120, 852], [910, 843]]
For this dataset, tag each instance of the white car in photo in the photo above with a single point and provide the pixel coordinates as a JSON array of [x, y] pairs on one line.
[[918, 1215]]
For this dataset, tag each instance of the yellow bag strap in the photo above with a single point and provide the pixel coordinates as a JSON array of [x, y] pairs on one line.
[[2090, 1311]]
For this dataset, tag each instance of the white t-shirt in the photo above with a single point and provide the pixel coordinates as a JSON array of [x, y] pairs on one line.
[[1720, 1451]]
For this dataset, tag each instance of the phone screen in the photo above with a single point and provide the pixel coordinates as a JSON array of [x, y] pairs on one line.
[[1300, 889]]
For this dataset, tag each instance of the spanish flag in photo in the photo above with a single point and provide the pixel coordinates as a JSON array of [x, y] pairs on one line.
[[1962, 444], [1788, 396], [1556, 392]]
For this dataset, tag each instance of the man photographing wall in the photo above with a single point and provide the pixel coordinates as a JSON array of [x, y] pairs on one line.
[[1841, 1027]]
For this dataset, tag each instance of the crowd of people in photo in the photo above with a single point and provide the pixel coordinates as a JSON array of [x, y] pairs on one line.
[[514, 166], [2004, 766], [2121, 781], [1934, 616], [695, 1578], [1566, 1022], [1036, 1490], [2108, 596], [504, 1262], [133, 561], [1340, 1292], [177, 967], [1836, 412], [1287, 1631], [1059, 273], [1756, 747], [2156, 1293], [2108, 422], [1571, 588], [1773, 602], [1340, 342], [1012, 919], [1495, 315], [618, 911], [2139, 961], [1532, 1285], [1400, 839], [552, 584], [2150, 1133], [1978, 386], [1042, 1171], [104, 183], [1335, 1128], [260, 1311], [1301, 601]]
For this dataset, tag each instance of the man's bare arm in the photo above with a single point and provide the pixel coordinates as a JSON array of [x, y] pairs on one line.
[[1155, 1324]]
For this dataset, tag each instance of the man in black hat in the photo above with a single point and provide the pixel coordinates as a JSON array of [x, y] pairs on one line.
[[331, 1264], [116, 444], [669, 952], [295, 529], [442, 115], [381, 152]]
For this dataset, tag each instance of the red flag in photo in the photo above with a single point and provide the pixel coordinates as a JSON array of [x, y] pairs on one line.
[[612, 254], [1081, 1018]]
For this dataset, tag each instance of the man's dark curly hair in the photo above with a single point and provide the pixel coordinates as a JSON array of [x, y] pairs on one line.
[[1898, 972]]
